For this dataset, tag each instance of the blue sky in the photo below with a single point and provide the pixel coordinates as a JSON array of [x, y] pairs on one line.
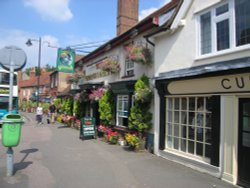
[[62, 23]]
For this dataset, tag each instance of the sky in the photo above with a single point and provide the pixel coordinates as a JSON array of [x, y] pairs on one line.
[[61, 23]]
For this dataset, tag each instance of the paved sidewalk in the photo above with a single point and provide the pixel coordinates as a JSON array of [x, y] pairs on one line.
[[52, 156]]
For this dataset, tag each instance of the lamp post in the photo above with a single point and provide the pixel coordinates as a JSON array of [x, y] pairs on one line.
[[29, 43]]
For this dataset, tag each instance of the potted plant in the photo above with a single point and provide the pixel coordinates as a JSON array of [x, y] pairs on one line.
[[140, 117], [106, 108]]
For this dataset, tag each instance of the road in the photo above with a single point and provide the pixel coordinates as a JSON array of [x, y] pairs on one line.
[[52, 156]]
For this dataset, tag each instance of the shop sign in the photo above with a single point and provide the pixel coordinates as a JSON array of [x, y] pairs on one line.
[[219, 84], [88, 127]]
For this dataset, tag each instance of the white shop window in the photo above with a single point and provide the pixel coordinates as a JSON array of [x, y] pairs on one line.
[[188, 126]]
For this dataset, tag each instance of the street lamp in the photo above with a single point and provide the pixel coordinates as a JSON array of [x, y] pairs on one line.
[[29, 43]]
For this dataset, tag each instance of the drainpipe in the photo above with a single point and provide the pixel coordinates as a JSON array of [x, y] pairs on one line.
[[150, 42]]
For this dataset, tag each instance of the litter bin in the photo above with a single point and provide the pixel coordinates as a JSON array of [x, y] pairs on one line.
[[11, 130]]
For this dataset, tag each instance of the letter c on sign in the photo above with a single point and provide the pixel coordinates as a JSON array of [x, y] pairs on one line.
[[224, 85]]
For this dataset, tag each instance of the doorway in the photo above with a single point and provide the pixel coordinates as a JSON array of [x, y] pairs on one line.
[[244, 143]]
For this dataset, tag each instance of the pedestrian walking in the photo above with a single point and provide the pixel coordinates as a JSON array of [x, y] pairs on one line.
[[39, 114], [52, 110]]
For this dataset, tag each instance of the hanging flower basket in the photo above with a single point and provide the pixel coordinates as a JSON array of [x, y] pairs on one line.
[[74, 78], [96, 94], [110, 64], [139, 54]]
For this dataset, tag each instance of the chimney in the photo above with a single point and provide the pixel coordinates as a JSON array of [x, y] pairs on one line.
[[127, 15]]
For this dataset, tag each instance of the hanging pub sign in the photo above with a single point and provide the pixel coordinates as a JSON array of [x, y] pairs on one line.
[[88, 128], [65, 60]]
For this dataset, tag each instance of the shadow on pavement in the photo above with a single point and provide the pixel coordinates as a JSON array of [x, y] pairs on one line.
[[22, 165], [62, 127]]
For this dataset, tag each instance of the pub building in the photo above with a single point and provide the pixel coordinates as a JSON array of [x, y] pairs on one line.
[[205, 118]]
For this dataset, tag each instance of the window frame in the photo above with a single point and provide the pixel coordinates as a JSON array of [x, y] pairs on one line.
[[128, 69], [173, 122], [122, 97], [230, 15]]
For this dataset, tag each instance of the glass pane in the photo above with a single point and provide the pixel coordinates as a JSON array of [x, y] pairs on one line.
[[183, 145], [223, 35], [176, 117], [246, 117], [208, 136], [242, 23], [192, 104], [125, 105], [170, 143], [205, 23], [169, 129], [176, 103], [200, 104], [246, 139], [169, 116], [222, 9], [199, 134], [183, 117], [183, 103], [119, 107], [191, 133], [176, 143], [176, 130], [209, 120], [191, 147], [183, 132], [200, 119], [207, 151], [199, 149], [170, 103]]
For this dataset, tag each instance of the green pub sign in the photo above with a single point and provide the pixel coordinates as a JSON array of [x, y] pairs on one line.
[[65, 60]]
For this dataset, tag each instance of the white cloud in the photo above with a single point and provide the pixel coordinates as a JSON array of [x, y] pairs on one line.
[[55, 10], [19, 38], [144, 13]]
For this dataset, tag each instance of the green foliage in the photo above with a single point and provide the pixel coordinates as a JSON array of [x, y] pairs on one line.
[[140, 117], [27, 71], [67, 106], [143, 93], [106, 108], [57, 102], [49, 68], [75, 107], [37, 71]]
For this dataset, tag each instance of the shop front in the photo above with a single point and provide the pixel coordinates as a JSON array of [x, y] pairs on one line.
[[205, 118]]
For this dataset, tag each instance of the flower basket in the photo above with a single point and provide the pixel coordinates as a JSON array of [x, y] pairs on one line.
[[96, 94], [74, 78], [139, 54], [110, 64]]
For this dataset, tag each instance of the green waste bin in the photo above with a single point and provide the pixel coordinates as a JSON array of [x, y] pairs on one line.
[[11, 130]]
